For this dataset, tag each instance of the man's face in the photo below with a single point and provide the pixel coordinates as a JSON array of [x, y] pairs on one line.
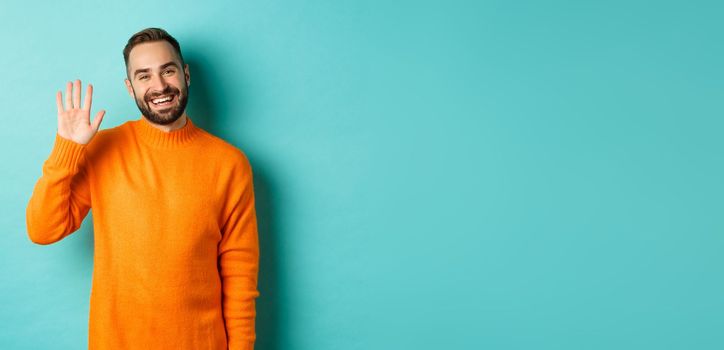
[[155, 74]]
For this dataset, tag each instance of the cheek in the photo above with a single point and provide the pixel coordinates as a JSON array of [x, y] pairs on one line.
[[142, 97], [179, 84]]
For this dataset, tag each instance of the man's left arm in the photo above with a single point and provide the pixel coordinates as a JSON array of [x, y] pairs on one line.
[[239, 261]]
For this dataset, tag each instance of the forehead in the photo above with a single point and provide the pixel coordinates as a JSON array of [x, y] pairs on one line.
[[151, 55]]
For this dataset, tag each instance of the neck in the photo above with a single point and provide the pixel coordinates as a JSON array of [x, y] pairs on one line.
[[178, 124]]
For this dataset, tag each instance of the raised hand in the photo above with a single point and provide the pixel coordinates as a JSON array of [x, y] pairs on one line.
[[73, 120]]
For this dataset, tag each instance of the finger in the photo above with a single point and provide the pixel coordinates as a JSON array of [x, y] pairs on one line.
[[76, 94], [68, 90], [88, 98], [98, 119], [59, 101]]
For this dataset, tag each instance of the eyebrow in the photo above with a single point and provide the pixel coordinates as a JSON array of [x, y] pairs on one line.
[[144, 70]]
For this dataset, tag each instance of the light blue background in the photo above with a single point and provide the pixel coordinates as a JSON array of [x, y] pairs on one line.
[[429, 175]]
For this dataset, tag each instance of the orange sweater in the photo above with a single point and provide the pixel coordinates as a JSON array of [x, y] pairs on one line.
[[176, 247]]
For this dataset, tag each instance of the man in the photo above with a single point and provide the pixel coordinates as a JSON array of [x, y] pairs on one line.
[[176, 246]]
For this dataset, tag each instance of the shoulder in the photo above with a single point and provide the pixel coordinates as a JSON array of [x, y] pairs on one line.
[[224, 152], [108, 139], [230, 163]]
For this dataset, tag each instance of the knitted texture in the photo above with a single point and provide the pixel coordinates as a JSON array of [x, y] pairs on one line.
[[176, 245]]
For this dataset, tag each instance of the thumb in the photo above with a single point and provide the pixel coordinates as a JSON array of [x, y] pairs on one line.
[[98, 119]]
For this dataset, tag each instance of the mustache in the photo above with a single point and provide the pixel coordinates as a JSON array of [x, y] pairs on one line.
[[167, 91]]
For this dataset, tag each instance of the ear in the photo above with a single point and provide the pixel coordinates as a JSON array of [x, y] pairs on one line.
[[129, 88], [187, 75]]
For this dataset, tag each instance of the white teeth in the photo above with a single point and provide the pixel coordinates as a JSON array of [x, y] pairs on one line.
[[160, 100]]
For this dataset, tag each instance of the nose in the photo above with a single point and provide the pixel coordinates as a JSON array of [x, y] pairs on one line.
[[159, 84]]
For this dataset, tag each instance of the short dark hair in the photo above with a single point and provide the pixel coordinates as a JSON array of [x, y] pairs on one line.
[[151, 35]]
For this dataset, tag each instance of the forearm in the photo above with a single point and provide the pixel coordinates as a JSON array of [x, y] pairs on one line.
[[239, 278], [54, 209]]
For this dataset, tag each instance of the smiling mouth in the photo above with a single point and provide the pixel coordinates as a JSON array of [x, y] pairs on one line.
[[163, 101]]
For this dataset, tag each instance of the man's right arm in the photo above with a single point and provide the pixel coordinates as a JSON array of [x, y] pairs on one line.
[[61, 197]]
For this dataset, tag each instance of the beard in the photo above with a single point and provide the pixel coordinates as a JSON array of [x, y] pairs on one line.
[[167, 115]]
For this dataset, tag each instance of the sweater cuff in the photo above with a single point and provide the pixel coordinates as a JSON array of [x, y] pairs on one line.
[[66, 153]]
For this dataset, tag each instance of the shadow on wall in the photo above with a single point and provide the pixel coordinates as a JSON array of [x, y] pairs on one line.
[[202, 109]]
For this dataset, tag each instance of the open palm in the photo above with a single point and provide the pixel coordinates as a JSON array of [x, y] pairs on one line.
[[74, 120]]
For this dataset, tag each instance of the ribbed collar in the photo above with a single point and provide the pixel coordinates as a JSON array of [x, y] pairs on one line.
[[155, 137]]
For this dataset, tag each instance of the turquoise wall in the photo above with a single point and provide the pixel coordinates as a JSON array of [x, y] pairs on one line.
[[429, 175]]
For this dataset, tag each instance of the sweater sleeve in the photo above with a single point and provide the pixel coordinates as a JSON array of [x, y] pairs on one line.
[[239, 261], [61, 197]]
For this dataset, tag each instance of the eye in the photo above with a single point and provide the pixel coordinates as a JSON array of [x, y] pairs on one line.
[[143, 77], [169, 72]]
